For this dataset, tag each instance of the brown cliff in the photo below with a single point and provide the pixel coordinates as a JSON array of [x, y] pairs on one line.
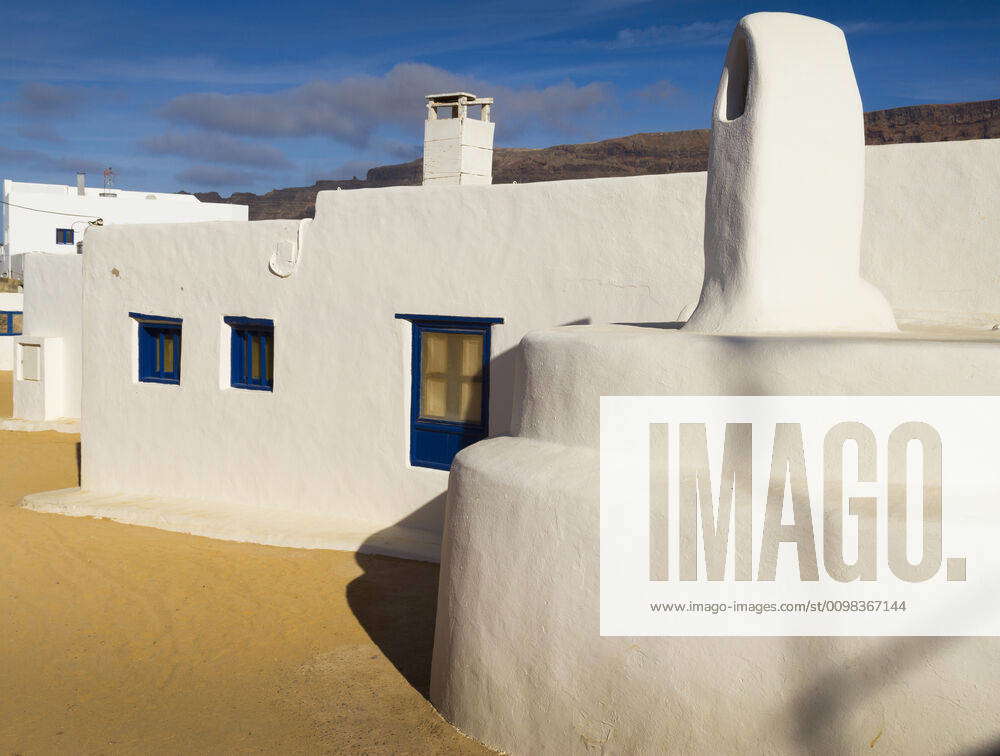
[[635, 155]]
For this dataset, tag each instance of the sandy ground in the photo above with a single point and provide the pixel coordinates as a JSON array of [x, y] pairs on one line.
[[120, 639], [6, 397]]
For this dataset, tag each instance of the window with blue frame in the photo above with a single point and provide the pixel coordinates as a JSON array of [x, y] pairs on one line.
[[64, 236], [450, 389], [251, 353], [10, 322], [159, 348]]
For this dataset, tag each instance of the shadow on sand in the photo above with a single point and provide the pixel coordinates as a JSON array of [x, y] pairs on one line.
[[395, 600]]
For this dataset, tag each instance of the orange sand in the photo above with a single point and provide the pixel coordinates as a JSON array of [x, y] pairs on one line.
[[120, 639], [6, 393]]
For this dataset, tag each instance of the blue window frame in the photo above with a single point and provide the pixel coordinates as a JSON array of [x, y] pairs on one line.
[[64, 236], [159, 348], [450, 386], [10, 322], [251, 353]]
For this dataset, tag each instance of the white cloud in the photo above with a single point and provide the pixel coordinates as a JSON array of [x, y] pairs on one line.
[[698, 33], [39, 132], [42, 161], [213, 177], [215, 148], [658, 92], [353, 109]]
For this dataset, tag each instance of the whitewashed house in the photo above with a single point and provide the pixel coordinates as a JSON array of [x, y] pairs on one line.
[[54, 218], [308, 382]]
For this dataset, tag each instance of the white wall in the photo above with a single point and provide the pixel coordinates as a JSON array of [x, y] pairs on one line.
[[53, 308], [333, 435], [32, 231], [519, 661], [931, 229]]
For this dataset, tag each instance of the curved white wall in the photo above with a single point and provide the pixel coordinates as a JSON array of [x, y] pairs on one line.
[[519, 662]]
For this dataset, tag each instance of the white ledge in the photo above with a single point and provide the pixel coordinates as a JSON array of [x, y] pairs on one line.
[[62, 425], [270, 527]]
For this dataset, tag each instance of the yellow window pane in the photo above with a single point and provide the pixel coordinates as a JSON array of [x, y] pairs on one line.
[[471, 355], [4, 323], [435, 352], [270, 356], [451, 380], [434, 398], [255, 356], [168, 354], [470, 401], [18, 323]]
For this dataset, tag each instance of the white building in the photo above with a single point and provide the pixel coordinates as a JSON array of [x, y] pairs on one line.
[[54, 218], [336, 451]]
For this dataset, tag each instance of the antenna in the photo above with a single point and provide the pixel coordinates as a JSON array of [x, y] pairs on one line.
[[109, 183]]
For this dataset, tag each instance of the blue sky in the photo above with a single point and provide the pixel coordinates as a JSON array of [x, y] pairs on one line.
[[258, 95]]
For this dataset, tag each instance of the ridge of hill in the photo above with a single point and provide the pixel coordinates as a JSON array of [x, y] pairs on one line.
[[635, 155]]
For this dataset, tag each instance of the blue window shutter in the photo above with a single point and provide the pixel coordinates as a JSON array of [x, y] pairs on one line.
[[236, 351], [251, 347], [9, 322], [158, 337]]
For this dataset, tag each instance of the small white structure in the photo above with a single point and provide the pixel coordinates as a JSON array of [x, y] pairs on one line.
[[47, 359], [54, 218], [39, 371], [458, 149], [519, 662]]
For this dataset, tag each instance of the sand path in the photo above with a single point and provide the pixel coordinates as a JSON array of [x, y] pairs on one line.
[[119, 639]]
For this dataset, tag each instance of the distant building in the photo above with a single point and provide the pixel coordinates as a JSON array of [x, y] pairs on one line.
[[54, 218]]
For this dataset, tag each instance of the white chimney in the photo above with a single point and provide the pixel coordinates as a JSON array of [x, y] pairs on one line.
[[458, 149], [786, 187], [81, 182]]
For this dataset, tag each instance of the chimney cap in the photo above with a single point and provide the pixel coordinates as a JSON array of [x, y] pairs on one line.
[[466, 98]]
